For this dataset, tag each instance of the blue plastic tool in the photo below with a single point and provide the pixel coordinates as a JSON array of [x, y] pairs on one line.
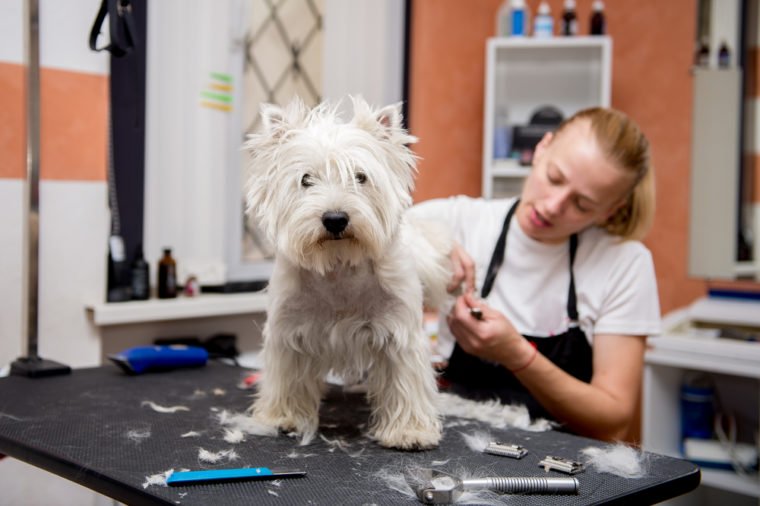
[[142, 359], [221, 475]]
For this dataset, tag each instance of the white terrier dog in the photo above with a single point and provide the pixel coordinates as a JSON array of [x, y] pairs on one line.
[[346, 294]]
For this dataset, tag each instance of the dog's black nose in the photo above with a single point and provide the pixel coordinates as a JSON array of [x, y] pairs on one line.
[[335, 221]]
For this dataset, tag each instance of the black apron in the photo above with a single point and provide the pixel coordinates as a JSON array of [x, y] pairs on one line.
[[475, 378]]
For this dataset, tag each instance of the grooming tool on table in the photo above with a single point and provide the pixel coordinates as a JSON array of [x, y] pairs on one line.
[[436, 487], [476, 313], [559, 464], [223, 475], [141, 359], [505, 450]]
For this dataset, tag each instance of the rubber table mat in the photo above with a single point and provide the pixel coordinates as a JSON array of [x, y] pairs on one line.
[[95, 427]]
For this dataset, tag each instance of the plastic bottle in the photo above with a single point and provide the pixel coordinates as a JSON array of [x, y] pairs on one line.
[[597, 18], [569, 19], [724, 56], [502, 135], [543, 23], [167, 276], [703, 55], [519, 21], [697, 409], [140, 276], [503, 19]]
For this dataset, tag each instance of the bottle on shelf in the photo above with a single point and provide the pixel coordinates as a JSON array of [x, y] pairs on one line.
[[569, 19], [724, 56], [702, 58], [502, 135], [140, 276], [543, 23], [503, 19], [519, 18], [167, 276], [598, 23]]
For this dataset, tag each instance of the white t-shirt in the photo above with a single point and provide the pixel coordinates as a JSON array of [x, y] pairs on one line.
[[615, 280]]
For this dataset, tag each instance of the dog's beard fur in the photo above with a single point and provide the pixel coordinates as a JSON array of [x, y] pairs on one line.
[[346, 294]]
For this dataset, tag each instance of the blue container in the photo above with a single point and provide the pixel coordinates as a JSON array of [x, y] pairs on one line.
[[696, 411]]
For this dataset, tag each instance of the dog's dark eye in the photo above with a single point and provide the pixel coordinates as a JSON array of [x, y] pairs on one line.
[[306, 181], [361, 177]]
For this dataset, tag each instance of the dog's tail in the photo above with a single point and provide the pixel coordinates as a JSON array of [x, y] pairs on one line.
[[432, 242]]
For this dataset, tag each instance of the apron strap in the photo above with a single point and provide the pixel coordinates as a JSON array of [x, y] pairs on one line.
[[572, 304], [498, 253]]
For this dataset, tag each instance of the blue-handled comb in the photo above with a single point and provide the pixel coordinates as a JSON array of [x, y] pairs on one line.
[[222, 475]]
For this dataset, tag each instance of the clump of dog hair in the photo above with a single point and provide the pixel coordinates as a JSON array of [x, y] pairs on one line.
[[164, 409], [495, 414], [618, 459], [477, 441], [158, 479], [214, 458], [137, 435]]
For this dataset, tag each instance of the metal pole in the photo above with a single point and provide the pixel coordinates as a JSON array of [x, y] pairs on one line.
[[32, 365], [33, 171]]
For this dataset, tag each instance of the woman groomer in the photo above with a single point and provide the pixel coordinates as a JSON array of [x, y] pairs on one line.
[[567, 294]]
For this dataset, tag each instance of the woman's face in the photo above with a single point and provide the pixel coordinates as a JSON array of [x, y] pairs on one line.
[[571, 186]]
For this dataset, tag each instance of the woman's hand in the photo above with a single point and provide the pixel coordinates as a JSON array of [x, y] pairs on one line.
[[492, 337], [463, 270]]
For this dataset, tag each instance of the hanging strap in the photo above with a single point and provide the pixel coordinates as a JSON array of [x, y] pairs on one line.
[[121, 25], [498, 254]]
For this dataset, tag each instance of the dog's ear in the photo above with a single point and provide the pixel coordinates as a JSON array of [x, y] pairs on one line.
[[276, 120], [385, 124], [273, 120]]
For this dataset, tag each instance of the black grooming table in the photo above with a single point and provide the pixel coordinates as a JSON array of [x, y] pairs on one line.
[[94, 427]]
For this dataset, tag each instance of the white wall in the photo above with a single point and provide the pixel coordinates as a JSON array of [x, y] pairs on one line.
[[73, 233]]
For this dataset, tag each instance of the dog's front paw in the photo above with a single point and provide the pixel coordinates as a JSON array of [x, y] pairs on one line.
[[286, 421], [409, 437]]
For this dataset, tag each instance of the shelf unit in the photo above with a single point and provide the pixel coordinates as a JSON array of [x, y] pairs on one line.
[[522, 74], [181, 308], [688, 345]]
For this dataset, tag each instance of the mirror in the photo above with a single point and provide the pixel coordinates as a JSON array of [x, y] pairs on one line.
[[724, 228]]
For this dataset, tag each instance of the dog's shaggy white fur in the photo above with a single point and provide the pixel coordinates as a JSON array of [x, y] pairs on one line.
[[346, 294]]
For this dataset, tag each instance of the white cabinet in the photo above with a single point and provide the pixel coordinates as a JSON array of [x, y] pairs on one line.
[[523, 74], [688, 343]]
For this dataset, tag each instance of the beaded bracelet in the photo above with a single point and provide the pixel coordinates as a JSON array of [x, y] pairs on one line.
[[530, 360]]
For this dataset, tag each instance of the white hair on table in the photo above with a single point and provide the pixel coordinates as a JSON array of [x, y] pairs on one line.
[[164, 409], [234, 436], [213, 458], [192, 433], [137, 435], [158, 479], [495, 414], [295, 455], [618, 459], [477, 441]]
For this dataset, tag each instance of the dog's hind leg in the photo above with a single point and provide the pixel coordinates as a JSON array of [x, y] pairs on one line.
[[402, 392], [289, 392]]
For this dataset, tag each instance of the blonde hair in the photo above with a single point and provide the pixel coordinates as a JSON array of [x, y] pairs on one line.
[[624, 144]]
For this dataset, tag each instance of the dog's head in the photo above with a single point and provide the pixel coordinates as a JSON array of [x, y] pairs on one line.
[[327, 192]]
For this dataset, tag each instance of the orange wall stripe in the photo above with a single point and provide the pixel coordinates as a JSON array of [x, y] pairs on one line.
[[74, 124], [12, 123], [752, 69], [74, 132]]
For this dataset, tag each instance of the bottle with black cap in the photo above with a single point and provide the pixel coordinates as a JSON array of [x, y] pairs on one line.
[[167, 276], [597, 18]]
